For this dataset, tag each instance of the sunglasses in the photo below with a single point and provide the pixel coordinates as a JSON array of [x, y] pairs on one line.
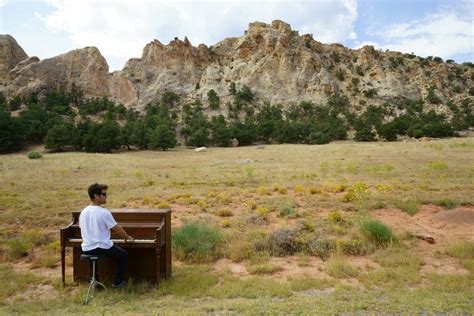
[[103, 193]]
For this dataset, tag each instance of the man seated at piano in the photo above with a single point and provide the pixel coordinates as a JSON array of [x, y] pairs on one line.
[[96, 223]]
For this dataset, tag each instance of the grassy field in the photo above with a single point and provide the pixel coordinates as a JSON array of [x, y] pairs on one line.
[[299, 229]]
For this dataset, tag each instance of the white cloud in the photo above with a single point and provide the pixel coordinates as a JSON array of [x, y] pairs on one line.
[[121, 28], [443, 34], [2, 3]]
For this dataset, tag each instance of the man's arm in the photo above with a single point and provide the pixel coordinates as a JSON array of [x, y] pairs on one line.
[[121, 232]]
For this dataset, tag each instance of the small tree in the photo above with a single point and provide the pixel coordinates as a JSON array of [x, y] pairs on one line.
[[162, 137], [214, 100], [60, 136]]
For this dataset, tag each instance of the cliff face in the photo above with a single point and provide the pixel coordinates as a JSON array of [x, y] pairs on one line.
[[278, 64], [85, 68], [10, 55]]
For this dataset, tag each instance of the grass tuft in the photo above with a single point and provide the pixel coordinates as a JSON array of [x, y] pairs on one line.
[[377, 232]]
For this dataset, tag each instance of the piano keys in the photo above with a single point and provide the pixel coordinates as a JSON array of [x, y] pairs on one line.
[[149, 255]]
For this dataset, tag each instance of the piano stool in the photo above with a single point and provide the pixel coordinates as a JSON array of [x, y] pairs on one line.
[[93, 281]]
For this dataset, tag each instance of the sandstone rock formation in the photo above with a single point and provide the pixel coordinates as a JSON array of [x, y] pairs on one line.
[[278, 64], [10, 55], [86, 68]]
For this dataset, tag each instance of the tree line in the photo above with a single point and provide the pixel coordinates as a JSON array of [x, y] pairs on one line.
[[68, 121]]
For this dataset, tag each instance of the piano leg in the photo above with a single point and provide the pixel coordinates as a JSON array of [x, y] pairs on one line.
[[63, 264]]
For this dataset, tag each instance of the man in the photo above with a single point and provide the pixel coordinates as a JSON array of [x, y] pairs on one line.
[[96, 223]]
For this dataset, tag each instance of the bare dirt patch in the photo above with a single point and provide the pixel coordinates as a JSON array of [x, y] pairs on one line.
[[445, 226]]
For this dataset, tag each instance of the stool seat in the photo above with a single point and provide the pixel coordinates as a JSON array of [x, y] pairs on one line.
[[85, 257]]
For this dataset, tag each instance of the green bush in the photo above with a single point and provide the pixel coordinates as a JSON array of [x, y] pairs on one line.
[[377, 232], [34, 155], [197, 242]]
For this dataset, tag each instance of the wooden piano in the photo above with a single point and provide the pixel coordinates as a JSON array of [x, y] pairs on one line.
[[149, 256]]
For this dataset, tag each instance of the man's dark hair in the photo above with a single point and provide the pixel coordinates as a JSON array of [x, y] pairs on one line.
[[96, 189]]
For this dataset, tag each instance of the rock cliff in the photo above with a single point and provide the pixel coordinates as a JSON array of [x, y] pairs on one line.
[[278, 64]]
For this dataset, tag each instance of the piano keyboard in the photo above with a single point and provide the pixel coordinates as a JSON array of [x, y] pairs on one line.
[[119, 241]]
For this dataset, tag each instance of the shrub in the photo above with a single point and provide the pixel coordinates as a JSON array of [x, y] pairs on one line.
[[238, 249], [262, 212], [354, 247], [34, 155], [284, 242], [163, 205], [225, 212], [286, 211], [321, 246], [197, 241], [335, 216], [377, 232], [447, 203]]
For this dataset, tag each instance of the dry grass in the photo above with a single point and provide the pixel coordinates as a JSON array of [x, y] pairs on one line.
[[321, 192]]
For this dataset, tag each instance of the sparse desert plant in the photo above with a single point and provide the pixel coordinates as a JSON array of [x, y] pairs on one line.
[[45, 258], [437, 165], [226, 223], [339, 268], [358, 192], [286, 211], [318, 245], [17, 247], [377, 232], [303, 259], [251, 204], [238, 249], [262, 212], [408, 206], [163, 205], [335, 216], [354, 247], [314, 190], [278, 188], [197, 242], [224, 212], [264, 268], [447, 203], [284, 241], [34, 155], [263, 190], [299, 189], [461, 250]]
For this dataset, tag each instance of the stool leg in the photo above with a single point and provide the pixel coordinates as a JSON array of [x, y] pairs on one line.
[[92, 285]]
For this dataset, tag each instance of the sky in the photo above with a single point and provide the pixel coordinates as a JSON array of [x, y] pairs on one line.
[[120, 29]]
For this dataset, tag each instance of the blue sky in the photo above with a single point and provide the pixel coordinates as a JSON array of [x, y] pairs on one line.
[[121, 28]]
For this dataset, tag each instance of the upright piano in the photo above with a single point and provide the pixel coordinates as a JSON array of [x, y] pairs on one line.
[[149, 256]]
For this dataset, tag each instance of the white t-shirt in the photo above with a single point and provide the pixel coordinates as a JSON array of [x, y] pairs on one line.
[[95, 223]]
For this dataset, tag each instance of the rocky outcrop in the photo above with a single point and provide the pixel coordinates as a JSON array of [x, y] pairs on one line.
[[278, 64], [10, 55], [86, 68]]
